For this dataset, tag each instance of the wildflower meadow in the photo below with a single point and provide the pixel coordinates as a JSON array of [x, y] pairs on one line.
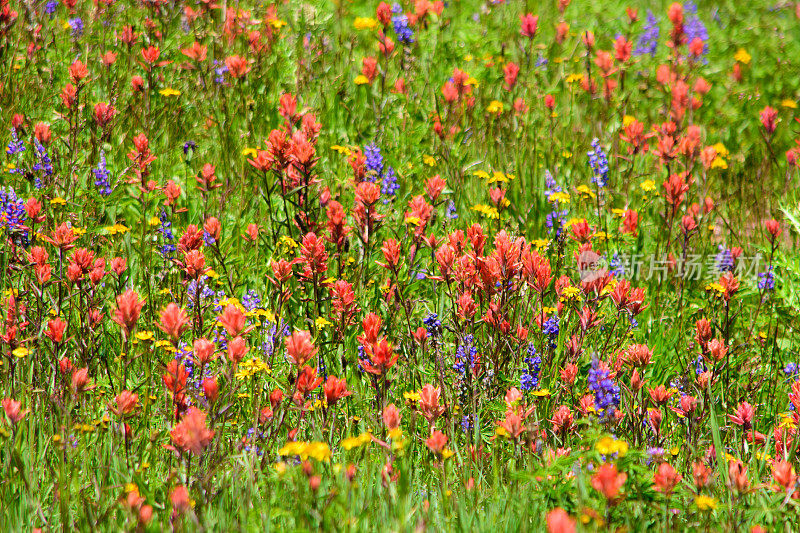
[[463, 265]]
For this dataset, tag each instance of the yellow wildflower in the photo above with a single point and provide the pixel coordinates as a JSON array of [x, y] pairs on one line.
[[742, 56], [365, 23]]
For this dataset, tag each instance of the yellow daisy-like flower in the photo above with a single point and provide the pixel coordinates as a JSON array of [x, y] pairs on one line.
[[356, 442], [608, 445], [715, 287], [277, 23], [21, 352], [742, 56], [268, 315], [251, 367], [719, 163], [471, 81], [572, 78], [628, 119], [154, 221], [322, 322], [144, 335], [499, 177], [287, 241], [566, 154], [495, 107], [791, 104], [169, 91], [487, 211], [58, 201], [540, 243], [648, 185], [316, 450], [341, 149], [414, 221], [570, 293], [412, 396], [705, 503], [365, 23], [584, 189], [234, 302], [561, 197], [117, 229], [250, 152], [429, 160], [481, 174], [361, 80], [721, 150]]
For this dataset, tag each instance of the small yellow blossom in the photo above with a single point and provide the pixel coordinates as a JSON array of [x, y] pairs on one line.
[[169, 91], [20, 352], [742, 56], [429, 160], [705, 503], [144, 335], [791, 104], [117, 229], [648, 185], [316, 450], [365, 23], [341, 149], [584, 189], [721, 150], [608, 445], [719, 163], [356, 442], [361, 80], [487, 210], [495, 107]]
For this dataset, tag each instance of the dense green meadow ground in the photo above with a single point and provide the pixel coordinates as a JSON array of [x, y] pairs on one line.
[[502, 266]]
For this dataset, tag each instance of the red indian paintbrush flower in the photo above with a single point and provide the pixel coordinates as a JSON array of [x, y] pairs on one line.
[[13, 410], [174, 321], [528, 24], [769, 118], [191, 434], [743, 416], [232, 319], [300, 348], [608, 481], [558, 521], [666, 478], [436, 442], [335, 389]]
